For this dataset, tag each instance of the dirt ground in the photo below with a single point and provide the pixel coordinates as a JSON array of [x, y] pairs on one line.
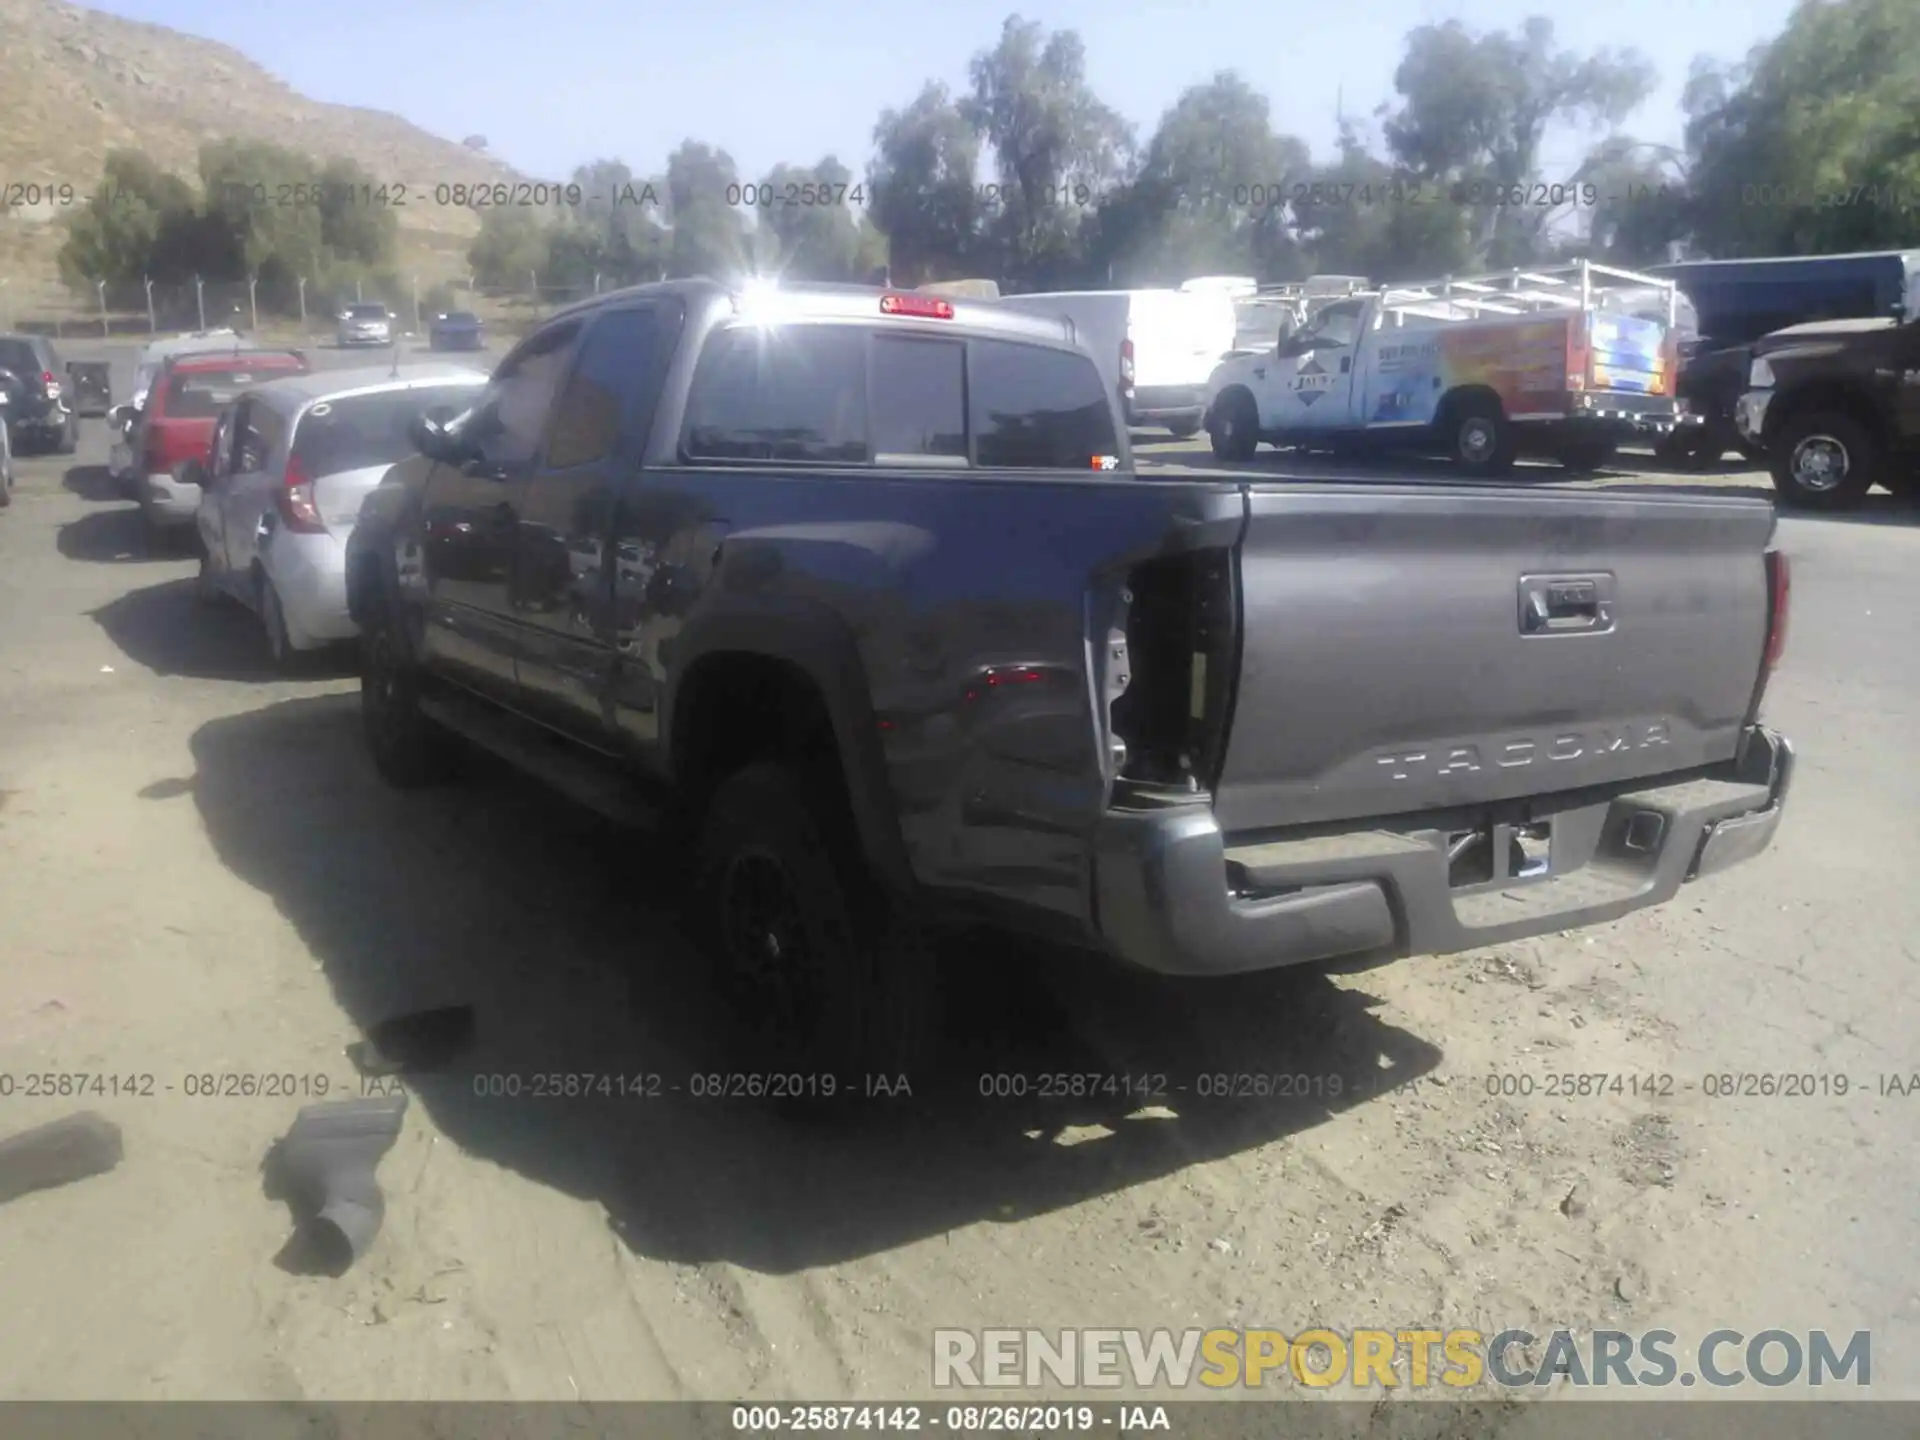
[[200, 876]]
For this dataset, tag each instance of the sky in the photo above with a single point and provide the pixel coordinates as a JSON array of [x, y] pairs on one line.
[[555, 86]]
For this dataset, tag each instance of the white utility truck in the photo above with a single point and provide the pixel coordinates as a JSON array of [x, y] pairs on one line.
[[1564, 361]]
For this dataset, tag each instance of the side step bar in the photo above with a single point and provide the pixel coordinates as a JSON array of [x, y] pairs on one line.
[[598, 784]]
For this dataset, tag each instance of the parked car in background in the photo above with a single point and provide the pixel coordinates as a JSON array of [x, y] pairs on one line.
[[1156, 348], [1740, 304], [281, 487], [1832, 407], [457, 330], [124, 420], [91, 382], [177, 424], [6, 455], [864, 589], [1557, 361], [368, 324], [38, 412]]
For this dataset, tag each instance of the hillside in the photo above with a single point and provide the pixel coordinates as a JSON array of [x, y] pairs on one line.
[[76, 83]]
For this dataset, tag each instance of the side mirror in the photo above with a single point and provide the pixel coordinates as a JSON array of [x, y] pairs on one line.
[[433, 440], [192, 472]]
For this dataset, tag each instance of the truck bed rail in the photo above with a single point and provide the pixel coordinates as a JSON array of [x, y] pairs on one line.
[[1576, 286]]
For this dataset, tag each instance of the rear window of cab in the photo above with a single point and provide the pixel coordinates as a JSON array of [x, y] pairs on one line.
[[203, 394], [853, 395]]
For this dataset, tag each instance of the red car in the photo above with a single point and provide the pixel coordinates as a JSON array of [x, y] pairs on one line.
[[177, 425]]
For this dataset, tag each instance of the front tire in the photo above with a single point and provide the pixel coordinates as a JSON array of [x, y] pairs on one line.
[[410, 751], [1234, 427], [823, 974], [1824, 460]]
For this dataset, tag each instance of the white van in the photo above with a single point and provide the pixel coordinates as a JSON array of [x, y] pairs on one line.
[[1156, 348]]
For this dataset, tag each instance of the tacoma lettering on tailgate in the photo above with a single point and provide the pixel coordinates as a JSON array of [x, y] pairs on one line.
[[1555, 749]]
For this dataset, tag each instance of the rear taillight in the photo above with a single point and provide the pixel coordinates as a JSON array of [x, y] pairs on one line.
[[1779, 604], [50, 383], [1579, 351], [1126, 364], [297, 509], [1171, 662]]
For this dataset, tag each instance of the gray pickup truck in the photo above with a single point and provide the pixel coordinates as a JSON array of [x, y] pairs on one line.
[[863, 589]]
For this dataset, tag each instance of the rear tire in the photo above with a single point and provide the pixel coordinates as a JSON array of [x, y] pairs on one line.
[[206, 588], [823, 974], [1234, 427], [410, 751], [1479, 437], [273, 623], [1824, 460]]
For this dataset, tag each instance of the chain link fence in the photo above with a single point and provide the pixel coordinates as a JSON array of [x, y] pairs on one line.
[[132, 311]]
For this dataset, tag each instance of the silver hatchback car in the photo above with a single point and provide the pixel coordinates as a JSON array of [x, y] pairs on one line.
[[369, 324]]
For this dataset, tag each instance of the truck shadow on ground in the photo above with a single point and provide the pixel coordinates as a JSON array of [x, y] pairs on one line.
[[93, 483], [167, 629], [562, 933], [115, 537]]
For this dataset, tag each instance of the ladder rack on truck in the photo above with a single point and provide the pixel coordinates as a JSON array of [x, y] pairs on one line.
[[1577, 286]]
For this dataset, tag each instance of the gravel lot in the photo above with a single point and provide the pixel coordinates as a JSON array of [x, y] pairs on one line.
[[200, 875]]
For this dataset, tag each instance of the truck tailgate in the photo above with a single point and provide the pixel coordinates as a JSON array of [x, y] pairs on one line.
[[1628, 353], [1408, 649]]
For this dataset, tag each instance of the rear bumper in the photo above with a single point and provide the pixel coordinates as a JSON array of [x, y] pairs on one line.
[[309, 574], [1176, 897], [169, 502], [1160, 404]]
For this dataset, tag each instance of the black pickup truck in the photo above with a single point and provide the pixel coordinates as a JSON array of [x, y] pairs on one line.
[[1836, 407], [863, 589]]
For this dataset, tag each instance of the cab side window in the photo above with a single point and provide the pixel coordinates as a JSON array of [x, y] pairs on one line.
[[1335, 326], [798, 394], [618, 360], [512, 415]]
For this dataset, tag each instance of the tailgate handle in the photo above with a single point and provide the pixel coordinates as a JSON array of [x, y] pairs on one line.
[[1566, 604]]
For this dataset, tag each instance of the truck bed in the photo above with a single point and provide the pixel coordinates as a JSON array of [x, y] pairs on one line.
[[1411, 648]]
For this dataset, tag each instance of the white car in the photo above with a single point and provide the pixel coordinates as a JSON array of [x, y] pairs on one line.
[[290, 462], [1155, 348], [369, 324]]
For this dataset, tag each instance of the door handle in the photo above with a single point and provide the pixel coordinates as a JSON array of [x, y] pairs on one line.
[[1346, 363], [1566, 604]]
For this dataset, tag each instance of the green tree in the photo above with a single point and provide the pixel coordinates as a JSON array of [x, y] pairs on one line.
[[708, 235], [923, 190], [1813, 144], [116, 235], [357, 224], [820, 238], [1059, 150], [1205, 198], [1476, 108], [509, 250], [276, 230], [1373, 218]]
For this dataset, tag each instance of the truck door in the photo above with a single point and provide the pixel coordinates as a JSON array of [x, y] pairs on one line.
[[1319, 393], [469, 519], [563, 577]]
